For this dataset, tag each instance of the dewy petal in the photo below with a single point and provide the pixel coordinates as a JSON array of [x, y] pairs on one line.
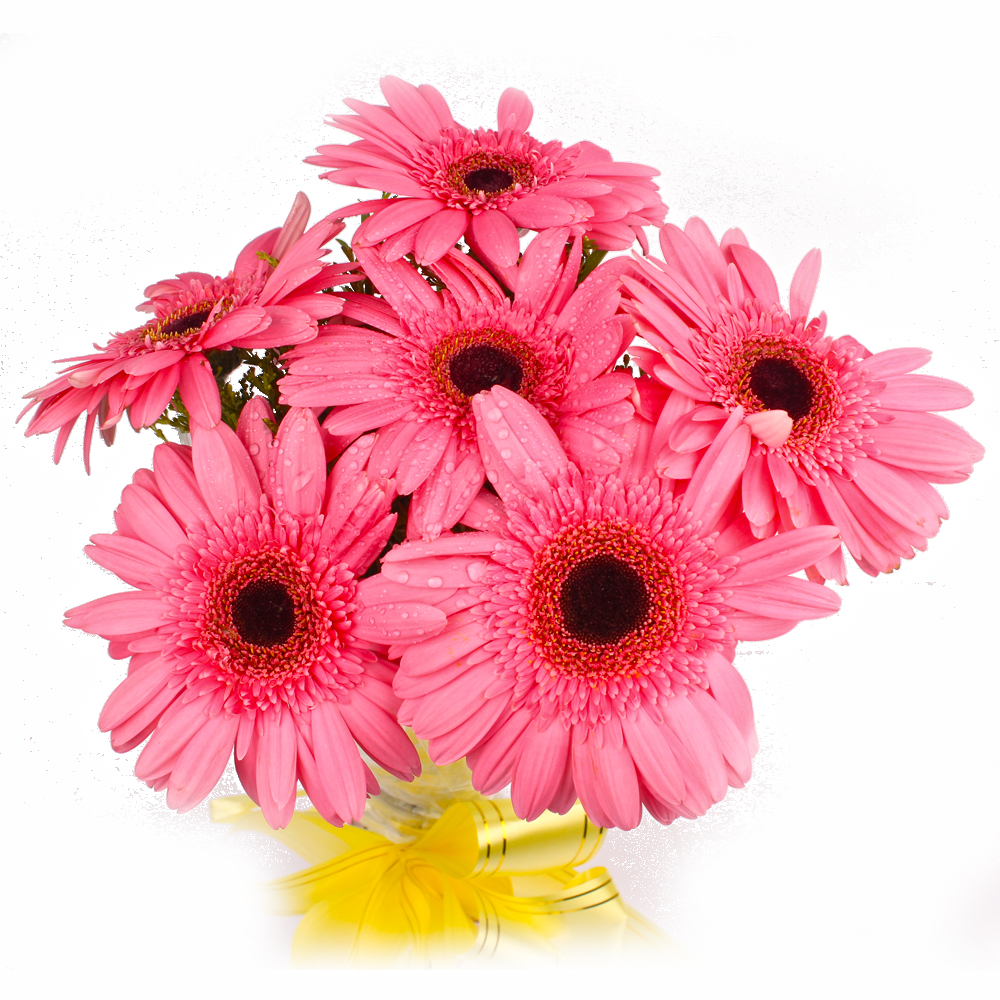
[[439, 234], [496, 237], [225, 474], [299, 466], [517, 445], [256, 436], [397, 216]]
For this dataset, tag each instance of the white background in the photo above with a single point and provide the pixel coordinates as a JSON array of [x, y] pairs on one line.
[[863, 857]]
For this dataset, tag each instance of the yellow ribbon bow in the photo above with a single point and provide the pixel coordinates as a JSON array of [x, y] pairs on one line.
[[474, 884]]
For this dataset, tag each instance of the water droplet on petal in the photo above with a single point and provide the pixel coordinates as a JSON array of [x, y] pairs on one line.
[[403, 577], [503, 434], [253, 449], [494, 415], [434, 582], [505, 454]]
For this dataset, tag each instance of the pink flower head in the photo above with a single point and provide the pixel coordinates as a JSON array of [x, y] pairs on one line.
[[482, 185], [591, 630], [250, 628], [840, 435], [271, 298], [415, 374]]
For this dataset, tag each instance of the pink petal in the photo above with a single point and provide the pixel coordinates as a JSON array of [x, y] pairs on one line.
[[804, 285], [903, 495], [788, 598], [439, 234], [119, 614], [256, 436], [784, 554], [707, 765], [178, 485], [653, 757], [401, 285], [226, 476], [495, 237], [299, 468], [380, 735], [338, 760], [153, 361], [138, 688], [294, 226], [237, 328], [392, 624], [519, 448], [457, 742], [433, 654], [419, 460], [924, 392], [540, 767], [154, 397], [176, 727], [770, 427], [757, 275], [898, 361], [542, 211], [730, 691], [199, 391], [133, 561], [399, 215], [143, 517], [926, 442], [606, 781], [201, 762], [719, 471], [411, 107], [514, 110], [492, 764], [363, 417], [757, 491], [275, 771]]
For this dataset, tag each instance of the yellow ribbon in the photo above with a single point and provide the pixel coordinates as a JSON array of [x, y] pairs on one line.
[[478, 883]]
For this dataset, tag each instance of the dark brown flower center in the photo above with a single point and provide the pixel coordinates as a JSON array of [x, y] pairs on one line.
[[482, 366], [183, 324], [489, 180], [781, 385], [603, 599], [264, 613]]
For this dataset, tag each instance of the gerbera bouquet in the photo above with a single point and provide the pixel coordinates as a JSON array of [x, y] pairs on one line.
[[474, 508]]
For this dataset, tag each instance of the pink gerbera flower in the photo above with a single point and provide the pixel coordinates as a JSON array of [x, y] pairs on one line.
[[271, 298], [482, 185], [251, 628], [591, 629], [436, 350], [841, 435]]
